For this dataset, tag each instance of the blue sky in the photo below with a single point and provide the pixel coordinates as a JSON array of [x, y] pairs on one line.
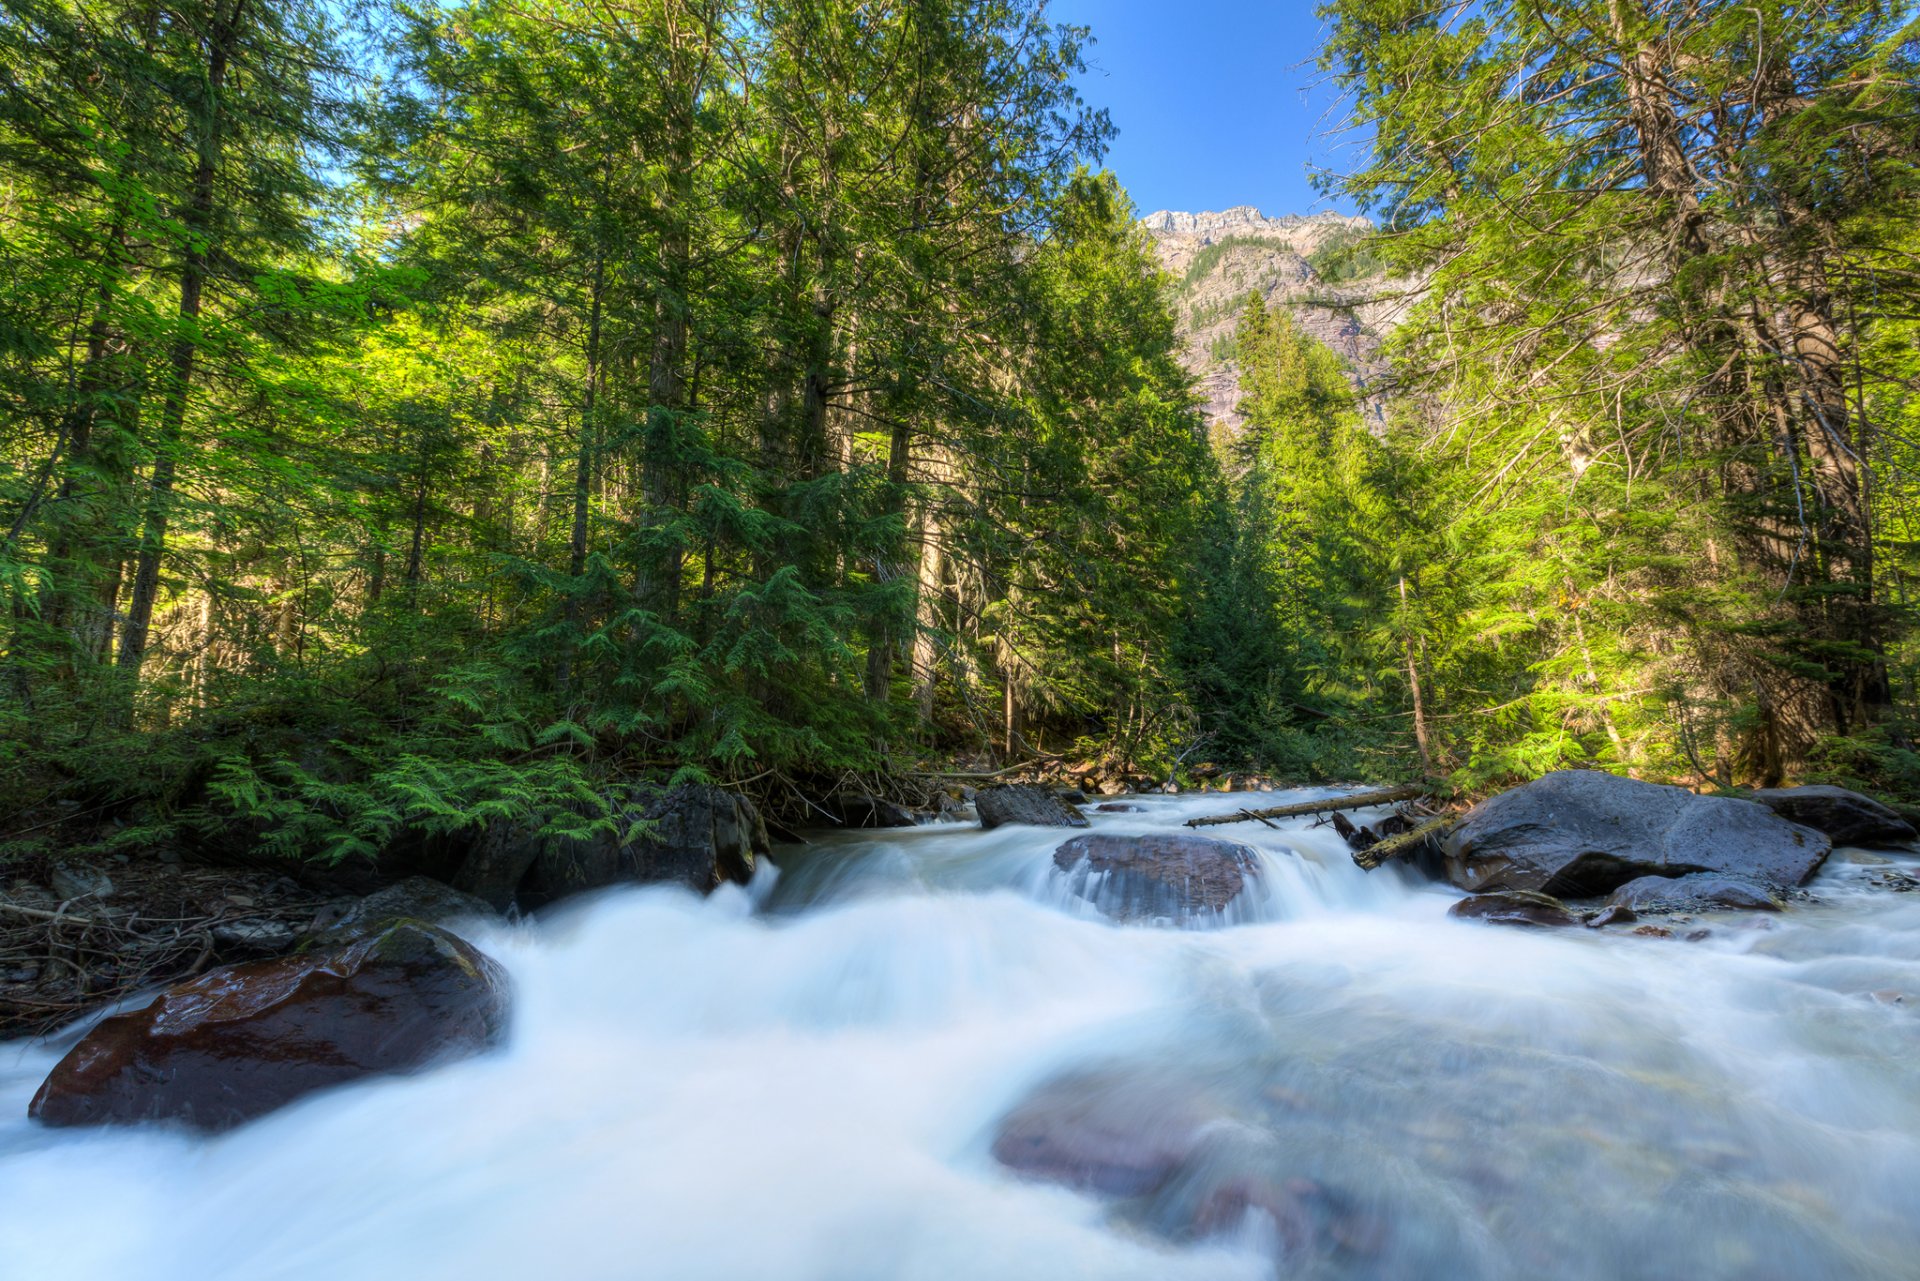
[[1213, 100]]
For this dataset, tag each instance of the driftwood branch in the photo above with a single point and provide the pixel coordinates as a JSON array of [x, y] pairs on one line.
[[1404, 843], [1358, 801]]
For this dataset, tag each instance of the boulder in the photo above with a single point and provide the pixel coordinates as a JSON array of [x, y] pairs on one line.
[[1116, 807], [1162, 876], [418, 898], [1582, 832], [1024, 803], [692, 835], [1693, 892], [238, 1042], [1121, 1135], [1611, 914], [857, 809], [72, 881], [1848, 818], [1514, 907]]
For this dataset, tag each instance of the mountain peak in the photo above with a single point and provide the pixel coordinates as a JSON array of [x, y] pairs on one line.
[[1241, 220]]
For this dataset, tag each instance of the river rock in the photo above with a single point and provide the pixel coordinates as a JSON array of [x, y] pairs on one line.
[[418, 898], [1024, 803], [1848, 818], [238, 1042], [1122, 1135], [692, 835], [857, 809], [72, 881], [1692, 892], [1514, 907], [1161, 876], [1116, 807], [1583, 832]]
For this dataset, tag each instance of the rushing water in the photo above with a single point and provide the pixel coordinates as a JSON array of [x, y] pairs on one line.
[[804, 1080]]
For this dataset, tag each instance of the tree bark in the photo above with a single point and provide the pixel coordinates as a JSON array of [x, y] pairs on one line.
[[198, 217]]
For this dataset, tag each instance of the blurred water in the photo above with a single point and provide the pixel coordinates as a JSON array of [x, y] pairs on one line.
[[804, 1080]]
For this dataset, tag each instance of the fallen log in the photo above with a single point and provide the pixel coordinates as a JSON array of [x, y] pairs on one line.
[[1358, 801], [1403, 843]]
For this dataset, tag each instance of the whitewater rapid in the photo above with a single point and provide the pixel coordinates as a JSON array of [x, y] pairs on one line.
[[802, 1080]]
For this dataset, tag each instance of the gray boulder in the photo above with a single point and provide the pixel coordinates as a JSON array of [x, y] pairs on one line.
[[692, 835], [1848, 818], [1693, 892], [1164, 876], [1581, 832], [1024, 803], [858, 809], [418, 898]]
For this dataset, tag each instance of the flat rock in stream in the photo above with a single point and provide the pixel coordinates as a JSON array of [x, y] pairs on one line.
[[1514, 907], [1024, 803], [1848, 818], [1693, 892], [1170, 876], [238, 1042], [1582, 832]]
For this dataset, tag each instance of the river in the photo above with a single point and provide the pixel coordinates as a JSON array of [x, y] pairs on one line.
[[803, 1080]]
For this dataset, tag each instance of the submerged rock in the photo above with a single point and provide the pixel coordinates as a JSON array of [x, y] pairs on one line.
[[1161, 876], [1122, 1135], [1694, 891], [1024, 803], [1848, 818], [1514, 907], [238, 1042], [1116, 807], [1581, 832]]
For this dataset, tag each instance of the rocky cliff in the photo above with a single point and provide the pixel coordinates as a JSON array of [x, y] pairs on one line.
[[1218, 258]]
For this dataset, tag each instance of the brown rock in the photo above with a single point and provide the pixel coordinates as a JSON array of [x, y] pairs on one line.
[[238, 1042], [1164, 875], [1121, 1135], [1514, 907], [1614, 914]]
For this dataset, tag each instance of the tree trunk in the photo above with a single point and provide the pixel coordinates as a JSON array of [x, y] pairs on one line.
[[198, 219]]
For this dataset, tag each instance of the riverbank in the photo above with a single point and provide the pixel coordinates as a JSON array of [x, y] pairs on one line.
[[814, 1075]]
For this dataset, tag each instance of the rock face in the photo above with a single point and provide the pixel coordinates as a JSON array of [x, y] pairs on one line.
[[239, 1042], [1690, 893], [1218, 258], [1514, 907], [1582, 832], [1163, 876], [697, 836], [1848, 818], [1024, 803]]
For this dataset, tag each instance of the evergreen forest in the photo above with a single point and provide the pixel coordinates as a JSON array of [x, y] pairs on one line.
[[416, 415]]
